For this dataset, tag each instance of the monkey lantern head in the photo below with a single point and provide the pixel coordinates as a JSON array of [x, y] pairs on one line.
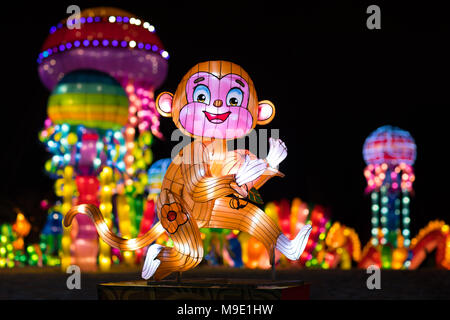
[[215, 99]]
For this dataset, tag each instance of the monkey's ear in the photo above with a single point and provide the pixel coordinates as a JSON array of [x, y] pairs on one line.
[[164, 104], [266, 112]]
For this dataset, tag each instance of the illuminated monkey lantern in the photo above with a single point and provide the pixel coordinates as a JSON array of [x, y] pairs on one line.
[[207, 186]]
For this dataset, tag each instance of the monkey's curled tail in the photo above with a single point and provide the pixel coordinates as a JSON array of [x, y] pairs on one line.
[[110, 238]]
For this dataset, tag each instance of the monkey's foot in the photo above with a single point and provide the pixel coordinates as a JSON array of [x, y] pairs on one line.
[[292, 249], [151, 264]]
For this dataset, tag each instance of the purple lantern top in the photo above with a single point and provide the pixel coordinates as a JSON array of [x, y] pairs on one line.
[[390, 145], [109, 40]]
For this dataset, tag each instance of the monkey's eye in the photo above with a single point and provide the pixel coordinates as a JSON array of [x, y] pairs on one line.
[[234, 97], [202, 94]]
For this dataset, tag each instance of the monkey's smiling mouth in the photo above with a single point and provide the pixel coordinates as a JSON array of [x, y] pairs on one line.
[[217, 118]]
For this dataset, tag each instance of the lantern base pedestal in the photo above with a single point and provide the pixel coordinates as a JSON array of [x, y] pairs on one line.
[[205, 289]]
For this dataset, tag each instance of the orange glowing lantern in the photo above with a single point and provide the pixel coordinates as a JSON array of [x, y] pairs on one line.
[[206, 185]]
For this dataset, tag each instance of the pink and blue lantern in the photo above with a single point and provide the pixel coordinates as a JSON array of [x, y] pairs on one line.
[[390, 153]]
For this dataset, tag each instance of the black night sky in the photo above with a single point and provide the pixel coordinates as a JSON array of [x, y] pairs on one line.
[[332, 80]]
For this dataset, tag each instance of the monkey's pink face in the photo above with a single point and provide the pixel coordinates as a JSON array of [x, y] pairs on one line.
[[216, 108]]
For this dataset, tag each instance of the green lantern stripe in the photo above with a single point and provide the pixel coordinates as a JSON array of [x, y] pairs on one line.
[[88, 76], [79, 99], [100, 88], [105, 125], [87, 109]]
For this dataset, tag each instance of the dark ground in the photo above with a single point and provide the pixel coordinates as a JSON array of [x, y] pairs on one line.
[[50, 283]]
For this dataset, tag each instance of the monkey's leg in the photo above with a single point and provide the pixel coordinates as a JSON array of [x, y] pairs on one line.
[[186, 253], [257, 223]]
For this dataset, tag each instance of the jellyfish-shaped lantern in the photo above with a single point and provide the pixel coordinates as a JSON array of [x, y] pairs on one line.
[[390, 153]]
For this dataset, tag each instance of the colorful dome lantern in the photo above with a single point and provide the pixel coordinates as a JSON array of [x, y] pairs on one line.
[[390, 145], [89, 98], [390, 153], [118, 43], [87, 112]]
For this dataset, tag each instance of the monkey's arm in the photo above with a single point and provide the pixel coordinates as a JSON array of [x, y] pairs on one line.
[[261, 180], [197, 176], [277, 153], [269, 173]]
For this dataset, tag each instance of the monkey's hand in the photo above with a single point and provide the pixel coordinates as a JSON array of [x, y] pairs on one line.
[[250, 170], [277, 152]]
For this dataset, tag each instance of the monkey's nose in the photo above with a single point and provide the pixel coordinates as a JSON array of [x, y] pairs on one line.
[[218, 103]]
